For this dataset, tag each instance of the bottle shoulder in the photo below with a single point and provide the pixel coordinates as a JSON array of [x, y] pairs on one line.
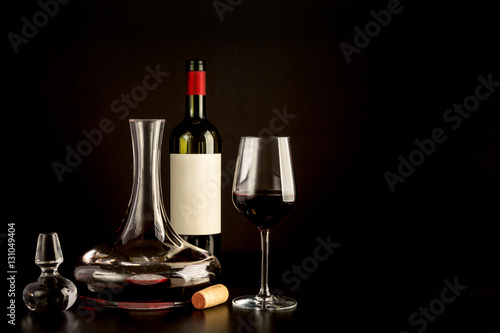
[[194, 128], [195, 133]]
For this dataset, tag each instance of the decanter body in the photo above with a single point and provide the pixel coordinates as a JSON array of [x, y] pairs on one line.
[[146, 265]]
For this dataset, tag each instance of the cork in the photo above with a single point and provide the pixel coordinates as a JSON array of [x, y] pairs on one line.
[[210, 296]]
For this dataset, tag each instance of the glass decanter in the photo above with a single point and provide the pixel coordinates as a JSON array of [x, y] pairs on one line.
[[145, 265], [51, 292]]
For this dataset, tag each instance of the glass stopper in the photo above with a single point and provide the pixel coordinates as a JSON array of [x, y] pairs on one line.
[[51, 292]]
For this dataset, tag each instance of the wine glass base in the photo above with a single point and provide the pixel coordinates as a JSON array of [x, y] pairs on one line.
[[275, 303]]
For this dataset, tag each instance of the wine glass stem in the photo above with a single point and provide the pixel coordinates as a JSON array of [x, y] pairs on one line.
[[264, 293]]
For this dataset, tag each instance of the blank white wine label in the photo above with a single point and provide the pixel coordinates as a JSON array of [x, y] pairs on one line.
[[195, 193]]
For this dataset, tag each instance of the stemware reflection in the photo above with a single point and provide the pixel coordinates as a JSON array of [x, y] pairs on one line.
[[65, 321]]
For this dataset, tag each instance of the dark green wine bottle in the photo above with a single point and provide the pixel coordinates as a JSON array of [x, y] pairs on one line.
[[195, 168]]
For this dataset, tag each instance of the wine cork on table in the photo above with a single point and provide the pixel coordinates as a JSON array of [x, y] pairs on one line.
[[210, 296]]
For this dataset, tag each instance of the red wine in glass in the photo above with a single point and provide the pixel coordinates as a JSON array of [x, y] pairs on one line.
[[263, 207]]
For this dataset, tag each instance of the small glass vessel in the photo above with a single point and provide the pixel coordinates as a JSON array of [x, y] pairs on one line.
[[51, 292], [145, 265]]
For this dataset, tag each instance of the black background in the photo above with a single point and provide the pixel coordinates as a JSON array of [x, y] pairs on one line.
[[352, 121]]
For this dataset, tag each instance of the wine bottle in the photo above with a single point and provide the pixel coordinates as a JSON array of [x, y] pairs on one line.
[[195, 168]]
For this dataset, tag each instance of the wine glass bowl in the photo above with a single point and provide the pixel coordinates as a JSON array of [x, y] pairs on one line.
[[264, 208], [264, 191]]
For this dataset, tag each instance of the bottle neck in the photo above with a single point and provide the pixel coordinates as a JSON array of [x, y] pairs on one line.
[[195, 106]]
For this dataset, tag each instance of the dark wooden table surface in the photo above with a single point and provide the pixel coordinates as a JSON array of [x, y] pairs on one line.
[[359, 304]]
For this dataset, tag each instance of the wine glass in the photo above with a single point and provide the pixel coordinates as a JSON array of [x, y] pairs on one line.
[[264, 192]]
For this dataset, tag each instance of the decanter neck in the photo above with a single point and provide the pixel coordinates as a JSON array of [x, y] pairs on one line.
[[146, 218]]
